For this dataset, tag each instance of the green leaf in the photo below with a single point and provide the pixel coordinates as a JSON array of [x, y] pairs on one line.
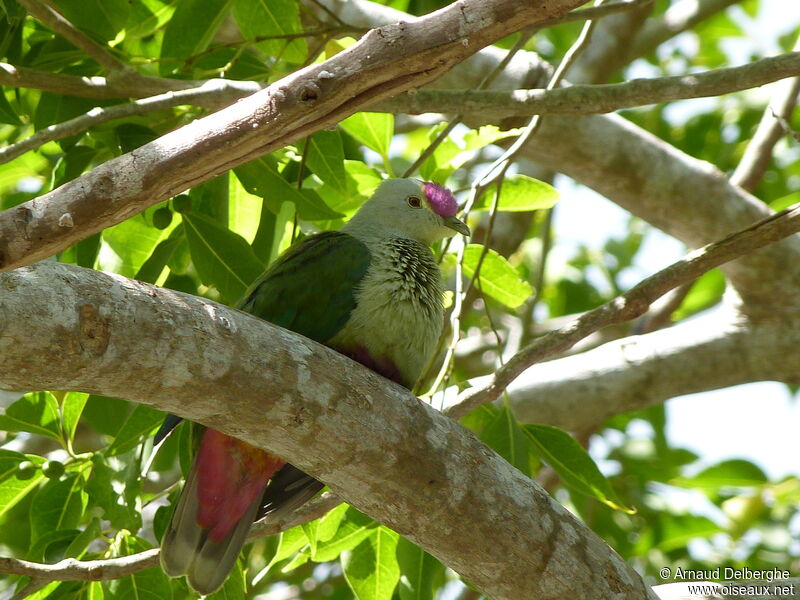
[[677, 530], [261, 177], [505, 436], [573, 464], [353, 528], [706, 291], [102, 18], [159, 258], [420, 573], [59, 504], [7, 112], [190, 30], [735, 472], [36, 412], [133, 241], [150, 584], [52, 546], [141, 422], [371, 568], [244, 211], [476, 139], [15, 485], [289, 543], [520, 193], [498, 279], [374, 130], [102, 492], [222, 258], [785, 201], [80, 544], [325, 157], [71, 409], [260, 18]]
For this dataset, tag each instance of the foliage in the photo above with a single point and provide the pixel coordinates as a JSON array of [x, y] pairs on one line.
[[72, 467]]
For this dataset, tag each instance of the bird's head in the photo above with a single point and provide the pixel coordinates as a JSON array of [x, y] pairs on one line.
[[411, 208]]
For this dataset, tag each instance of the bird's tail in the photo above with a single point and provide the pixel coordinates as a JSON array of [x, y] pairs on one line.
[[220, 499]]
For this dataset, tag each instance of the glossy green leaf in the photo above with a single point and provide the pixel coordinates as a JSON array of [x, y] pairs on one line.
[[371, 568], [52, 546], [734, 472], [222, 258], [505, 436], [132, 243], [289, 543], [102, 489], [150, 584], [420, 573], [71, 409], [353, 528], [261, 177], [264, 18], [676, 531], [374, 130], [14, 484], [159, 258], [498, 279], [7, 112], [325, 157], [244, 210], [101, 18], [572, 463], [58, 505], [520, 193], [143, 421], [36, 412], [190, 30]]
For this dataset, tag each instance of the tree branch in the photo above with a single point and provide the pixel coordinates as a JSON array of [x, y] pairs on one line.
[[757, 156], [69, 328], [633, 303], [206, 94], [708, 353], [71, 569], [594, 99], [384, 62], [103, 88], [51, 18]]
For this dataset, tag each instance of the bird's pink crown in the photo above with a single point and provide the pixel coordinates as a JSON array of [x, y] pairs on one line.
[[441, 199]]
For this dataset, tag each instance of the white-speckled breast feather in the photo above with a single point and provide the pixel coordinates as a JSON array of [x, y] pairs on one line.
[[398, 316]]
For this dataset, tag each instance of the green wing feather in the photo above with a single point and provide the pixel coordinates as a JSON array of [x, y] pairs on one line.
[[311, 288]]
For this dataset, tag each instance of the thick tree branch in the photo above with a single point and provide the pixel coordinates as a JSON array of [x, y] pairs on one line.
[[384, 62], [633, 303], [370, 440], [708, 353], [594, 99]]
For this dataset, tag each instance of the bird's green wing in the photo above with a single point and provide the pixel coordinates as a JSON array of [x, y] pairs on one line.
[[311, 288]]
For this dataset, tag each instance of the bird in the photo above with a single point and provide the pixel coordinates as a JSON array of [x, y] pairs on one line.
[[372, 291]]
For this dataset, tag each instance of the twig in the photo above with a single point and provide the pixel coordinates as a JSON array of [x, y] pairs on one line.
[[98, 115], [49, 17], [33, 586], [600, 98], [71, 569], [635, 302], [593, 13], [757, 156]]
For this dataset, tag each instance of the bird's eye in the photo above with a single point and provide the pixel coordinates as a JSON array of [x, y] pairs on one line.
[[414, 202]]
